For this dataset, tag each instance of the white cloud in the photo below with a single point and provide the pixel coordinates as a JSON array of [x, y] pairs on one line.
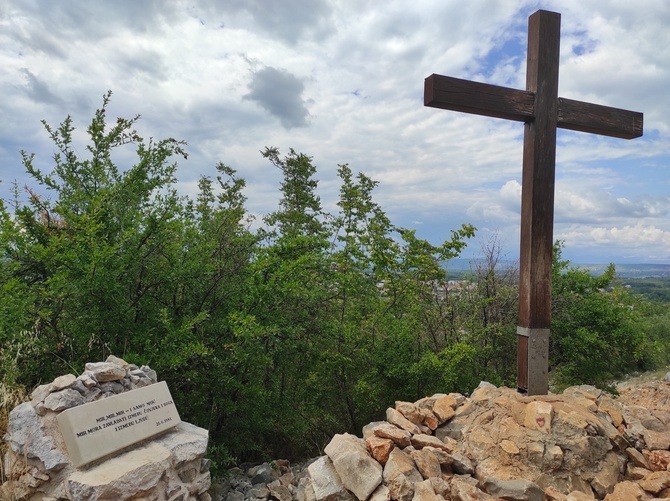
[[642, 241], [343, 82]]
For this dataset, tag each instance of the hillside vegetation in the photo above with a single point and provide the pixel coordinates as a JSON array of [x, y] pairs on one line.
[[273, 339]]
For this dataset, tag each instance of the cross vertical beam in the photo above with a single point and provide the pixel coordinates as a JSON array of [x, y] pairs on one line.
[[537, 201], [542, 111]]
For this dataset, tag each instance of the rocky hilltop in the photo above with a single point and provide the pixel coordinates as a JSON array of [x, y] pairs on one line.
[[495, 444]]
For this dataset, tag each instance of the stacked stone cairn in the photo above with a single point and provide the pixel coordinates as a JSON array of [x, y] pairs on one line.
[[495, 445], [169, 467]]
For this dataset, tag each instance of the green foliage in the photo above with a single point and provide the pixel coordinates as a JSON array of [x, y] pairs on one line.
[[117, 262], [595, 335], [488, 314], [654, 289], [654, 322], [277, 338]]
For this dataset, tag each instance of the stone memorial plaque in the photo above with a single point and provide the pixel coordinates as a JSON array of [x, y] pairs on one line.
[[98, 428]]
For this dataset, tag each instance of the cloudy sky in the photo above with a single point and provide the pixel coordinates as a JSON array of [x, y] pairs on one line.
[[342, 81]]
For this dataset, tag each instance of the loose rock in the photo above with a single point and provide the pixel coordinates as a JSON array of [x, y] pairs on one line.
[[170, 464]]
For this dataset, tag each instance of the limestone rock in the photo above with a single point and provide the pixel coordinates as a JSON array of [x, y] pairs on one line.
[[517, 489], [186, 442], [579, 496], [427, 463], [635, 472], [381, 493], [87, 380], [605, 480], [168, 466], [509, 447], [395, 417], [585, 391], [112, 359], [430, 420], [358, 472], [423, 491], [465, 409], [553, 457], [400, 463], [576, 454], [464, 491], [379, 448], [237, 496], [658, 460], [105, 371], [386, 430], [441, 487], [63, 399], [538, 416], [656, 481], [62, 382], [462, 464], [262, 474], [368, 429], [612, 408], [279, 492], [627, 491], [444, 458], [536, 453], [111, 388], [483, 392], [648, 420], [454, 429], [326, 483], [551, 494], [444, 407], [150, 373], [637, 458], [122, 477], [260, 492], [27, 436], [40, 393], [400, 487], [656, 440], [304, 491], [411, 411], [420, 440]]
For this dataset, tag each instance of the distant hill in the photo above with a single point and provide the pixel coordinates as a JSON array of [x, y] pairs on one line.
[[632, 270], [461, 266]]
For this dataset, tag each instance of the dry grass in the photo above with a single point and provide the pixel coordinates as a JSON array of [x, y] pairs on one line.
[[10, 397]]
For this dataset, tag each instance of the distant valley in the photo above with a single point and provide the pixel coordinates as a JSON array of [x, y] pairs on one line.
[[461, 266], [632, 270]]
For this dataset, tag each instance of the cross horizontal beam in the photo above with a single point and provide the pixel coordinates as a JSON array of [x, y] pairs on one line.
[[478, 98]]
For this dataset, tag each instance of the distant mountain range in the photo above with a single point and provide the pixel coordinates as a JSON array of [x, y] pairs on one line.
[[461, 265], [631, 270]]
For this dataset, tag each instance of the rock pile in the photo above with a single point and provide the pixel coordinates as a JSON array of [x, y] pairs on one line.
[[497, 444], [170, 466]]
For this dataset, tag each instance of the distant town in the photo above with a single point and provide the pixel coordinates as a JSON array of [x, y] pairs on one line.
[[456, 268]]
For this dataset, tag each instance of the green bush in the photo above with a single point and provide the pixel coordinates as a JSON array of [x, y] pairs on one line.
[[277, 338]]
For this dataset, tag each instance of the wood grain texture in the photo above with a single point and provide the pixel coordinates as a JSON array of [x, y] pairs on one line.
[[539, 162], [454, 94], [598, 119]]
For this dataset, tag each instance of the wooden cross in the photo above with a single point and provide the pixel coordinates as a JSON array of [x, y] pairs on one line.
[[542, 111]]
